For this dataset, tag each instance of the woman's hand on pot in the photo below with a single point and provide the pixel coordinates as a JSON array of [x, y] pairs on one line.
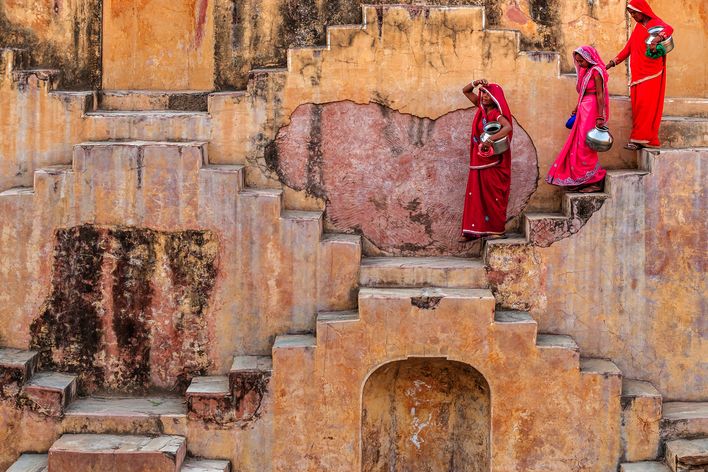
[[654, 42], [484, 147], [599, 121], [575, 111], [480, 82]]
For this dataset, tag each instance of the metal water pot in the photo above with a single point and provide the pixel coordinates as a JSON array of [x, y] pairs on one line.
[[599, 139], [500, 146], [668, 43]]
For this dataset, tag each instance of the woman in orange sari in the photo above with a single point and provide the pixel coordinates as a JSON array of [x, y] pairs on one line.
[[648, 76], [489, 181]]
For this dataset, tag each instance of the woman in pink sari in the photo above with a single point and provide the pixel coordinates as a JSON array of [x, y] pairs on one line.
[[577, 167], [489, 181]]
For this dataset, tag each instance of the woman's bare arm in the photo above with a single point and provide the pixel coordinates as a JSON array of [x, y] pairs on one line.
[[505, 130], [600, 95], [468, 90]]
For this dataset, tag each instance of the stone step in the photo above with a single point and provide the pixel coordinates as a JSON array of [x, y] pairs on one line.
[[155, 414], [16, 367], [209, 399], [150, 125], [562, 351], [249, 378], [30, 463], [103, 452], [595, 366], [231, 177], [582, 205], [684, 420], [644, 467], [144, 100], [409, 272], [400, 300], [50, 392], [683, 132], [295, 341], [339, 265], [38, 463], [205, 465], [641, 417], [616, 177], [687, 455], [686, 106]]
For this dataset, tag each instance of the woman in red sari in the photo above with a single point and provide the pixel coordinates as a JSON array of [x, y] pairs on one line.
[[489, 179], [577, 167], [648, 76]]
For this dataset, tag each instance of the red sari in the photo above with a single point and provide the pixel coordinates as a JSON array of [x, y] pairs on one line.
[[489, 181], [648, 78]]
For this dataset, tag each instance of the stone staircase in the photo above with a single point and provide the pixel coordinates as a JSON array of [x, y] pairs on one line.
[[652, 429], [407, 307]]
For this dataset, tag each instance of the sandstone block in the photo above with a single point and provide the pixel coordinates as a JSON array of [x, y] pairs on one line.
[[683, 455], [209, 399], [249, 380], [450, 272], [641, 416], [684, 420], [50, 392], [100, 453], [30, 463], [16, 367], [644, 467]]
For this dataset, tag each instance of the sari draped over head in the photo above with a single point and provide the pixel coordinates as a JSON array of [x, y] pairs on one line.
[[648, 77], [591, 55], [577, 164], [489, 181]]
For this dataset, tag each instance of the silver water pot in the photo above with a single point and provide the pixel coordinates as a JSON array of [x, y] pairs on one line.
[[500, 146], [599, 139], [668, 43]]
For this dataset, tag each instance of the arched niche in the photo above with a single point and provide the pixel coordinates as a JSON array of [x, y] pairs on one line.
[[426, 415]]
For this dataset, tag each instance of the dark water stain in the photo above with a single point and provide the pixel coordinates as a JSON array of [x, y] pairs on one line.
[[111, 271], [68, 331], [426, 303], [80, 60], [134, 255]]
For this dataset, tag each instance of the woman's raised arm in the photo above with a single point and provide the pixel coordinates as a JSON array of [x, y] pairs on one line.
[[468, 90]]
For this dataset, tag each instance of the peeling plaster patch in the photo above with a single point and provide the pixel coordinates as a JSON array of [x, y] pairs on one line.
[[397, 179]]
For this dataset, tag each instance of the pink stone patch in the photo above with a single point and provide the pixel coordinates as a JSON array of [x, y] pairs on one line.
[[396, 178]]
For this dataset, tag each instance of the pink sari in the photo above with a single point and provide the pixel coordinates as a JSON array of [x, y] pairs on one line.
[[577, 164]]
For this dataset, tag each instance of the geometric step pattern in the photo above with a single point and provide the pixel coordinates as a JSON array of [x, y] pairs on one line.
[[171, 187], [318, 379], [449, 272], [98, 453]]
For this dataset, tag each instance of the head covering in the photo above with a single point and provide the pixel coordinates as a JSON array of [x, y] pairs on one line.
[[642, 7], [591, 55], [497, 93]]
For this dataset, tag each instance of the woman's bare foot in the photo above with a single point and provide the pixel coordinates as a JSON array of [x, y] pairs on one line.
[[495, 236], [633, 146], [592, 188]]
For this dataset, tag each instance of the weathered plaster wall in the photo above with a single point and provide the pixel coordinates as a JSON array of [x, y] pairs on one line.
[[631, 284], [60, 34], [426, 414], [397, 179], [163, 299], [252, 34], [545, 412], [158, 44]]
